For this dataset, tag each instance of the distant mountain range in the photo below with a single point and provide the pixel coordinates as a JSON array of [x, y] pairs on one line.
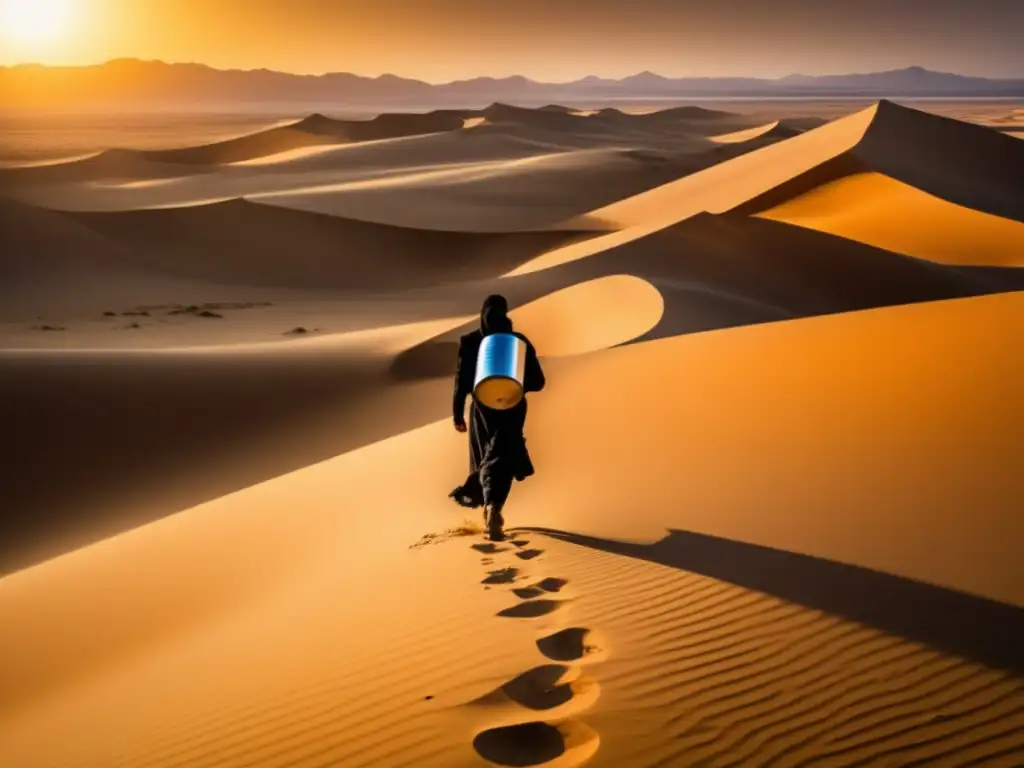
[[131, 81]]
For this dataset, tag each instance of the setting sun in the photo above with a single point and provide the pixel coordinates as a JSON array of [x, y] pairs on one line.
[[35, 21]]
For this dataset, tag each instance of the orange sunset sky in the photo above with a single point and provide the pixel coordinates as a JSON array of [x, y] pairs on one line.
[[438, 40]]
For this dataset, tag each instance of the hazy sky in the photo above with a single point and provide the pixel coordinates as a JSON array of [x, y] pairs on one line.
[[438, 40]]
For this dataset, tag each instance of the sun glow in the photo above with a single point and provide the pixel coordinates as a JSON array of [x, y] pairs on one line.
[[31, 22]]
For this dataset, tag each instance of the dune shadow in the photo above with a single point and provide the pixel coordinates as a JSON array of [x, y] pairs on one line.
[[717, 271], [142, 424], [731, 270], [972, 627], [432, 359]]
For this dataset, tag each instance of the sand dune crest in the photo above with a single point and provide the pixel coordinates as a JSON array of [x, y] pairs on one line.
[[575, 320], [876, 209]]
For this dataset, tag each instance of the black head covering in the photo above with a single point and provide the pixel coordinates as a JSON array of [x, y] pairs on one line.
[[494, 315]]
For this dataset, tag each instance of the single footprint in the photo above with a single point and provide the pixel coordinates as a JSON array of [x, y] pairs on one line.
[[572, 644], [501, 576], [531, 609], [547, 688], [528, 593], [570, 743], [542, 587], [519, 543], [489, 549], [529, 554], [551, 584]]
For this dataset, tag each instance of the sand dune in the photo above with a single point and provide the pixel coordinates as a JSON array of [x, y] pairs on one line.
[[728, 270], [733, 650], [572, 321], [124, 471], [717, 189], [876, 209], [536, 192], [111, 164], [51, 262], [920, 149], [318, 130], [518, 168], [249, 147], [774, 129], [251, 243], [490, 178], [314, 130], [244, 243], [706, 273], [882, 139], [212, 420], [774, 518]]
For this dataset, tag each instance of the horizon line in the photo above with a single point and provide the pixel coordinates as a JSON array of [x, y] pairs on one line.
[[383, 75]]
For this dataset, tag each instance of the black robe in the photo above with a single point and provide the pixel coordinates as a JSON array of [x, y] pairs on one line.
[[497, 445]]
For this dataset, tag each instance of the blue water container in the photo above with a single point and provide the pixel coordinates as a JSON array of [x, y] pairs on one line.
[[500, 365]]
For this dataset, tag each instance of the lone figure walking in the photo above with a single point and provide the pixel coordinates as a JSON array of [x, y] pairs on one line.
[[497, 446]]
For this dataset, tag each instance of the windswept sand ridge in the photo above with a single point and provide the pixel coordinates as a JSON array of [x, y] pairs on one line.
[[35, 239], [882, 138], [696, 119], [269, 142], [536, 192], [559, 127], [723, 271], [122, 164], [311, 131], [774, 129], [390, 154], [69, 263], [210, 421], [573, 321], [733, 269], [717, 189], [520, 169], [50, 262], [920, 149], [927, 152], [46, 162], [728, 649], [714, 285], [268, 395], [248, 243], [570, 321], [595, 134], [495, 177], [878, 210]]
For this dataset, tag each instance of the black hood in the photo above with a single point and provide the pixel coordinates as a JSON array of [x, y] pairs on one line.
[[494, 316]]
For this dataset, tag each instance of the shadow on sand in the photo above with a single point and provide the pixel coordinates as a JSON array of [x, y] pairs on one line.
[[968, 626]]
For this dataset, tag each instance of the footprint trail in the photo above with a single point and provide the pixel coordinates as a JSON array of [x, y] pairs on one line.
[[547, 698]]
